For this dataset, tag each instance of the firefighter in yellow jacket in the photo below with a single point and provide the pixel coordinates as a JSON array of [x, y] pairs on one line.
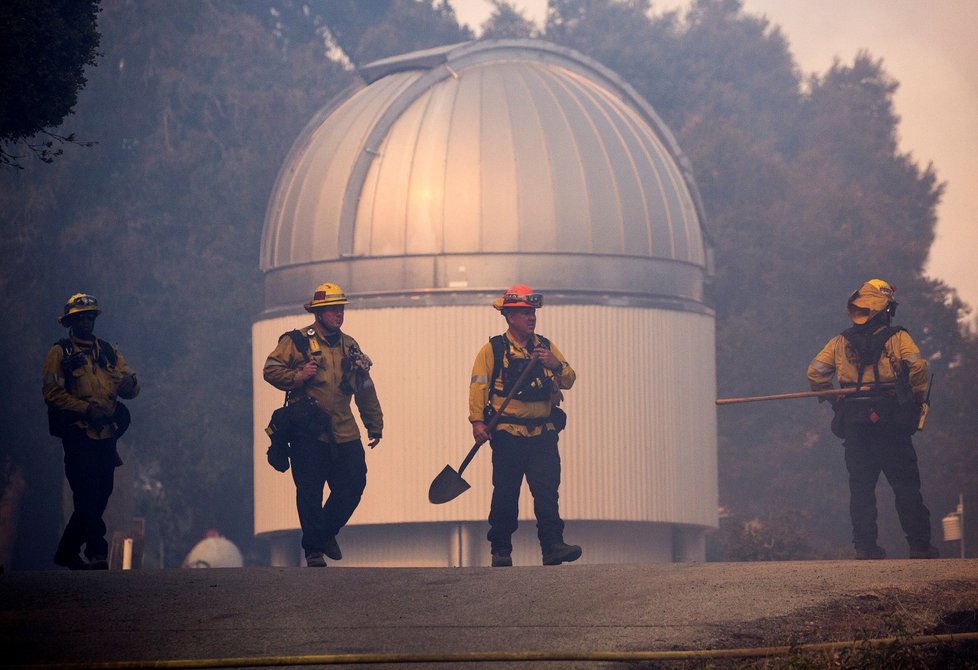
[[325, 364], [876, 423], [524, 441], [83, 379]]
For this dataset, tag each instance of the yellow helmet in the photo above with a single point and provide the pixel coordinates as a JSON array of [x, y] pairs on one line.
[[518, 295], [78, 303], [326, 295], [870, 299]]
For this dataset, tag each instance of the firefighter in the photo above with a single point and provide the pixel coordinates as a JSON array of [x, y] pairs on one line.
[[83, 378], [876, 423], [524, 440], [323, 364]]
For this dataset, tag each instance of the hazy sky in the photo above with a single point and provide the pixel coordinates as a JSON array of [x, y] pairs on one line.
[[928, 46]]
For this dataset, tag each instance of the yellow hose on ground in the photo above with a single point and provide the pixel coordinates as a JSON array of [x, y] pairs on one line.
[[510, 656]]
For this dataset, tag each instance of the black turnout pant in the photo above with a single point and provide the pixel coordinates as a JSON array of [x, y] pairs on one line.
[[871, 449], [90, 469], [538, 459], [315, 464]]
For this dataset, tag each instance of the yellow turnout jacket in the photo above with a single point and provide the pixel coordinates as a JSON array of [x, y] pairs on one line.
[[91, 382], [326, 387], [838, 359]]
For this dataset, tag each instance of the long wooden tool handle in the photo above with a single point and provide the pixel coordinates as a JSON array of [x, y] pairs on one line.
[[495, 419], [802, 394]]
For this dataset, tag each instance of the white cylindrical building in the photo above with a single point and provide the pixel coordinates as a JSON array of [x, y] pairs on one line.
[[447, 176]]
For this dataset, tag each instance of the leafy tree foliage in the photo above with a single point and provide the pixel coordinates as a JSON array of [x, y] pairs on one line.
[[349, 20], [410, 25], [507, 22], [45, 47], [373, 30], [619, 35]]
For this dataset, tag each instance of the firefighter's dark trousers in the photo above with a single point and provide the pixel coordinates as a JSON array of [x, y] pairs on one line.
[[315, 464], [871, 449], [90, 469], [538, 460]]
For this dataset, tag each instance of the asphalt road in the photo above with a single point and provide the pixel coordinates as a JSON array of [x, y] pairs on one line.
[[268, 613]]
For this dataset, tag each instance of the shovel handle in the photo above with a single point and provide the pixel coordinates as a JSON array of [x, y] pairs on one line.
[[499, 413]]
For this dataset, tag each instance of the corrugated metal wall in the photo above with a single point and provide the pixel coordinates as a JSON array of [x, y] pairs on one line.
[[640, 445]]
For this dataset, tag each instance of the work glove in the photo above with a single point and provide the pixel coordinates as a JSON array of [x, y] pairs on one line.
[[127, 386]]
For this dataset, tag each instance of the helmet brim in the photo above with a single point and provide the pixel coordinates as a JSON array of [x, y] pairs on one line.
[[866, 302], [316, 306], [64, 319]]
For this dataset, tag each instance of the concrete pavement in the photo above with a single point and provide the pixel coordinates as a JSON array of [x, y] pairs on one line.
[[153, 615]]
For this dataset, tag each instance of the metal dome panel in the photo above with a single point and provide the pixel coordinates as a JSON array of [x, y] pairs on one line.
[[460, 164]]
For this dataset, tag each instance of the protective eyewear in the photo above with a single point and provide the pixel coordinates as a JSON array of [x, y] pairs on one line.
[[534, 300], [84, 300]]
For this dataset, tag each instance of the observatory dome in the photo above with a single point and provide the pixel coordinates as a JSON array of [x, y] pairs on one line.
[[426, 189], [451, 167]]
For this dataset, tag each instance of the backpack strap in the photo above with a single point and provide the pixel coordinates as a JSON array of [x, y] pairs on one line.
[[107, 351], [299, 339], [500, 347], [305, 342], [67, 350], [869, 349]]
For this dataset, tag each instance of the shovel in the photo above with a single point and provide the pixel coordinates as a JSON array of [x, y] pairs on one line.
[[449, 484]]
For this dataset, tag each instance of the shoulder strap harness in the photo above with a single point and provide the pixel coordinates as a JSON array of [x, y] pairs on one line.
[[869, 349], [500, 349], [106, 358], [306, 344]]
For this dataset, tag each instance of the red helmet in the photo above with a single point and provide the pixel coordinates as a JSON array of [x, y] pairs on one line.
[[519, 295]]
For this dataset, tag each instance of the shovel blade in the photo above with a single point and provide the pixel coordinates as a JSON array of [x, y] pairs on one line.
[[448, 485]]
